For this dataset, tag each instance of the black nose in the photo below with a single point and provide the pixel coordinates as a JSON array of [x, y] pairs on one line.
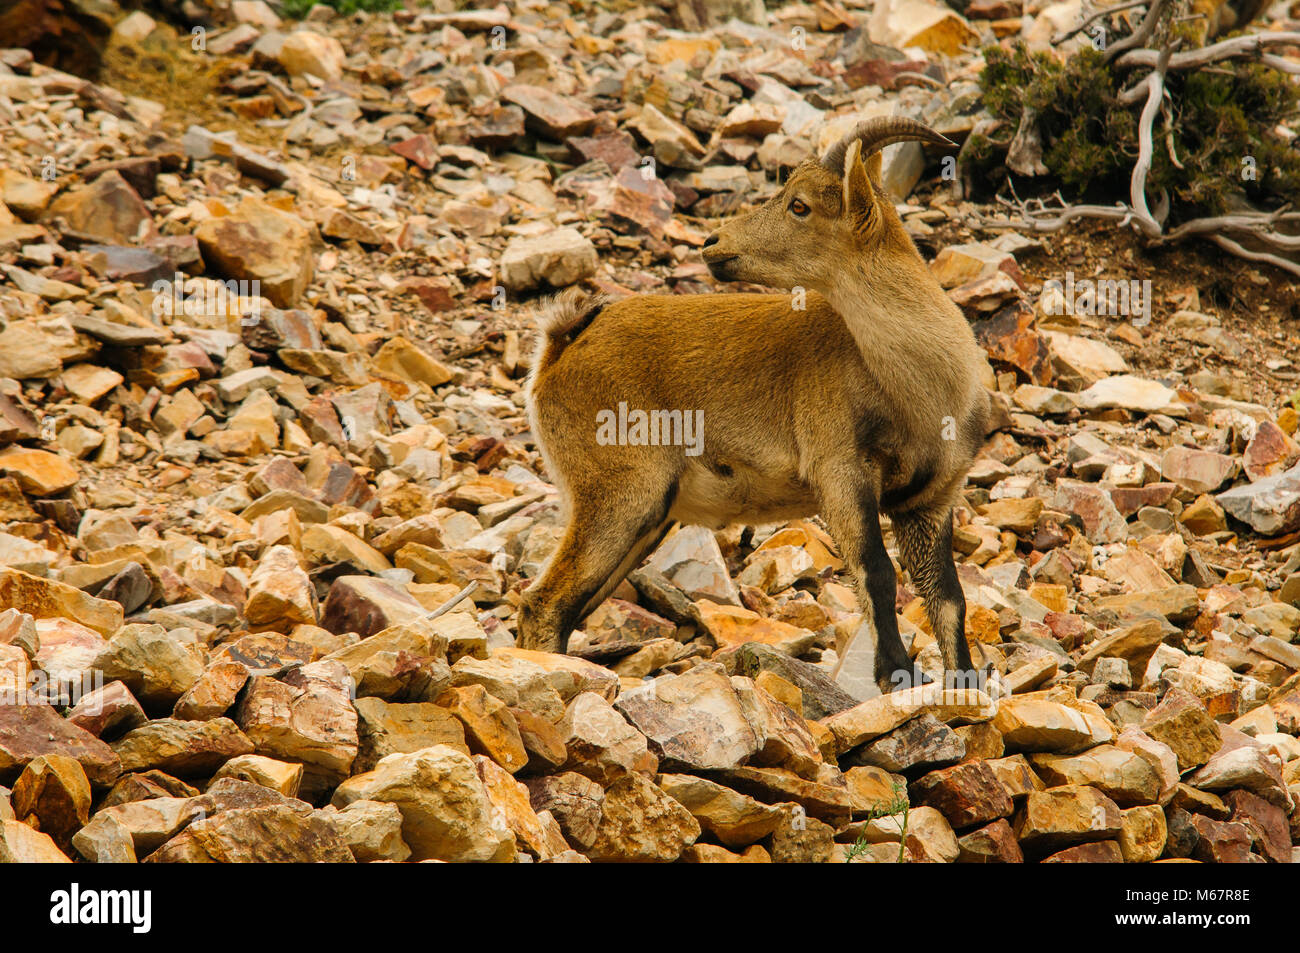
[[711, 240]]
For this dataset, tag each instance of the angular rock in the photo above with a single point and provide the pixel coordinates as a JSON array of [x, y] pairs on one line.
[[490, 729], [1061, 817], [601, 744], [107, 712], [19, 844], [693, 721], [1029, 723], [556, 116], [52, 795], [641, 823], [992, 844], [31, 731], [1124, 776], [919, 744], [734, 819], [182, 748], [46, 598], [1271, 506], [557, 259], [1182, 722], [306, 716], [279, 776], [156, 666], [366, 606], [575, 803], [272, 834], [966, 794], [372, 831], [446, 813], [280, 595], [385, 729], [258, 242], [214, 693]]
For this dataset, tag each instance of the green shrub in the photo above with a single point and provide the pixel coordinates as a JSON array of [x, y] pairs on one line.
[[300, 8], [1090, 141]]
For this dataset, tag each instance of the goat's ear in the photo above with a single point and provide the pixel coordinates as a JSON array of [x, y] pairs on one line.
[[875, 165], [859, 194]]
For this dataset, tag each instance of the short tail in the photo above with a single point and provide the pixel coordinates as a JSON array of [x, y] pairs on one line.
[[565, 317]]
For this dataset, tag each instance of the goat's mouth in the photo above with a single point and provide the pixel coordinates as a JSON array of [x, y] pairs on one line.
[[720, 268]]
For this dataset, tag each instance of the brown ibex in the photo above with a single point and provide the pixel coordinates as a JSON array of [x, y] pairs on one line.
[[868, 400]]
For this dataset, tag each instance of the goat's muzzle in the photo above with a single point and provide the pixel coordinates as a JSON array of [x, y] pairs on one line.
[[716, 258]]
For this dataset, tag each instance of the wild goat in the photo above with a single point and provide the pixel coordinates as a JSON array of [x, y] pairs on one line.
[[869, 400]]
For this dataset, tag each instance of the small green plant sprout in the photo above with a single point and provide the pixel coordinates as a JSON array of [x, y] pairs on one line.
[[897, 805]]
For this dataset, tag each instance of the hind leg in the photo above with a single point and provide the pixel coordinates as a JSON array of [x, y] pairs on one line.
[[925, 546], [602, 543]]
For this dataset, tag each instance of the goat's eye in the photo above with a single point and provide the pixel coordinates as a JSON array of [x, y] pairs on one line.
[[799, 208]]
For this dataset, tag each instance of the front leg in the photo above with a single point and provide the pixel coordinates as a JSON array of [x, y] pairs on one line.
[[849, 501], [925, 547]]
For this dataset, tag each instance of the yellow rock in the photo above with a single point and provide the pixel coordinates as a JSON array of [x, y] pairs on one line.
[[713, 854], [1017, 515], [39, 472], [1028, 722], [403, 359], [279, 776], [782, 690], [983, 625], [683, 49], [323, 543], [490, 728], [19, 844], [809, 537], [876, 716], [47, 599], [511, 798], [1052, 595], [733, 625], [1142, 833], [930, 26]]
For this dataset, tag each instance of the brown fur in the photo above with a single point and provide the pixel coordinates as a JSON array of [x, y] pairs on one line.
[[868, 400]]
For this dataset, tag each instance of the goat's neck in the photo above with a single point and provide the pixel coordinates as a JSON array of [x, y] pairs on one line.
[[912, 338]]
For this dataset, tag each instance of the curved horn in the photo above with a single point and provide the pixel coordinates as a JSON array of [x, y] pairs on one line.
[[877, 133]]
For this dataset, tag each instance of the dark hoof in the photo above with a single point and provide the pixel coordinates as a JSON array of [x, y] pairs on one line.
[[971, 678], [903, 678]]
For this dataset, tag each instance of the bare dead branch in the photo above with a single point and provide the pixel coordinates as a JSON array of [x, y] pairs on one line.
[[1137, 184], [1025, 154], [1280, 63], [1057, 40], [919, 78], [1135, 93], [1276, 260], [1169, 135], [453, 601], [1036, 221], [1239, 47], [1257, 224], [1138, 37]]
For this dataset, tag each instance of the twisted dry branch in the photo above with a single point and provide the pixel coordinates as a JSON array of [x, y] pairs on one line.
[[1227, 243], [1254, 225], [1083, 25], [1155, 83], [1138, 37], [1239, 47]]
